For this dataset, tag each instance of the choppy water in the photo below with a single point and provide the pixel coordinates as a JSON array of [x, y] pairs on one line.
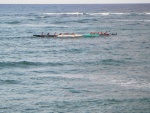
[[92, 75]]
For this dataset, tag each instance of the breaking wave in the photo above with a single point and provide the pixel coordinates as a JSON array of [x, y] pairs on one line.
[[97, 13], [129, 20], [72, 13]]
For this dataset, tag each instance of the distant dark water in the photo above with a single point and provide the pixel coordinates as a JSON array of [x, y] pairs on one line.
[[101, 74]]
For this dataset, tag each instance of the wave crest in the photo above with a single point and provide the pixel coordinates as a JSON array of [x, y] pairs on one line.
[[24, 64], [71, 13], [97, 13]]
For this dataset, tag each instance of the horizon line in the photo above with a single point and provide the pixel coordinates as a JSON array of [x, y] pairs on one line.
[[64, 3]]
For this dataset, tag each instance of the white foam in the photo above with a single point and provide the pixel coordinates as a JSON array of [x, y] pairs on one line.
[[100, 13], [108, 13], [120, 13], [148, 13], [142, 13], [134, 20], [104, 13], [71, 13], [134, 83], [117, 13]]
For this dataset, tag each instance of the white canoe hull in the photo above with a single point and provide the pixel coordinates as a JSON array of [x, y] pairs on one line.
[[70, 35]]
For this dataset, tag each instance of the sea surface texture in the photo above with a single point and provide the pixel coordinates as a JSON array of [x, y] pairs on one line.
[[106, 74]]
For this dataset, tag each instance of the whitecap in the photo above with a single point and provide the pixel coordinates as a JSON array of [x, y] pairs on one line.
[[120, 13], [128, 20], [104, 13], [148, 13], [67, 13], [98, 13], [117, 13]]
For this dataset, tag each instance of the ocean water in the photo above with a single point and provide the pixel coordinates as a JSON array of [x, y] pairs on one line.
[[80, 75]]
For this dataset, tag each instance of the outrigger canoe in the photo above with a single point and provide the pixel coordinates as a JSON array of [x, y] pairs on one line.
[[75, 35]]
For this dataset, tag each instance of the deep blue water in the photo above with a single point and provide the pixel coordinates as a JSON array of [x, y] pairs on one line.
[[80, 75]]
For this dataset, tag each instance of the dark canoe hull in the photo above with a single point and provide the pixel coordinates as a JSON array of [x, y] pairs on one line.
[[113, 33], [45, 35], [104, 34], [108, 34]]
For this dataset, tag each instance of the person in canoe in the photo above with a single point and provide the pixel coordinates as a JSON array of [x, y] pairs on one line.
[[92, 32], [100, 33], [42, 34], [106, 33], [66, 34], [55, 34]]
